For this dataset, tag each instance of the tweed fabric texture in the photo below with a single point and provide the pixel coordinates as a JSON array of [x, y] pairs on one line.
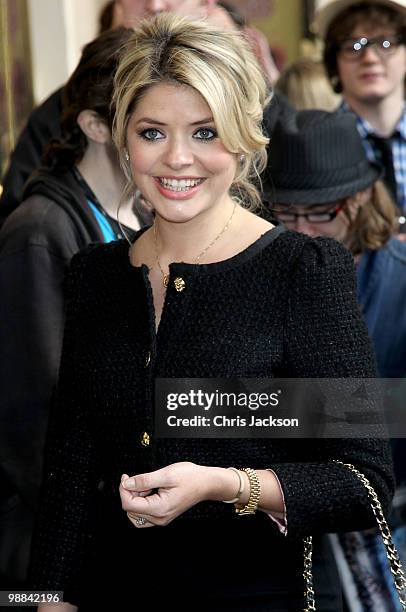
[[286, 307]]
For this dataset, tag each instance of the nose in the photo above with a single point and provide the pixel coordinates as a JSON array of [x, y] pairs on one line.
[[178, 154], [153, 7], [304, 227], [370, 54]]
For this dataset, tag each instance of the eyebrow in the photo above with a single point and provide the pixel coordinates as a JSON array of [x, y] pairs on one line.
[[155, 122]]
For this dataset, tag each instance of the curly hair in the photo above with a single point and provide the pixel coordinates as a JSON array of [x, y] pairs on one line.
[[375, 222]]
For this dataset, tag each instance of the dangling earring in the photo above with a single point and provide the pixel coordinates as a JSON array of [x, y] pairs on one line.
[[126, 155], [242, 158]]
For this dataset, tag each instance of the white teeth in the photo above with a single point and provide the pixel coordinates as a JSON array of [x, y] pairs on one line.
[[179, 185]]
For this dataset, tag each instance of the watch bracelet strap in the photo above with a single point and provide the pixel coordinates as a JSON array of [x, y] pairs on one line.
[[391, 552], [255, 492]]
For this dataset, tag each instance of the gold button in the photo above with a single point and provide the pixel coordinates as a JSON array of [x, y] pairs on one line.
[[148, 359], [179, 284], [145, 440]]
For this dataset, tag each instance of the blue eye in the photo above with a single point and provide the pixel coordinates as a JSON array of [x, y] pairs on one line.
[[205, 134], [151, 134]]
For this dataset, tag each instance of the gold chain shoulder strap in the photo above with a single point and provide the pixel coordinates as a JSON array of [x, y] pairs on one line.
[[310, 604], [391, 552]]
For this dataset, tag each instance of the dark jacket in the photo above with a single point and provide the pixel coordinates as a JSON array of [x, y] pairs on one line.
[[43, 124], [286, 306], [37, 243], [381, 293]]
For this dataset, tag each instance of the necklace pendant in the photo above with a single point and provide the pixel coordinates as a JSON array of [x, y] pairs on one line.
[[165, 280]]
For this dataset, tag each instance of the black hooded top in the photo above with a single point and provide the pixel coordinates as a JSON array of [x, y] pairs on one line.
[[37, 243]]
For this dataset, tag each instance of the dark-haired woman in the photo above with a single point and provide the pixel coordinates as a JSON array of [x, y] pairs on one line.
[[68, 204]]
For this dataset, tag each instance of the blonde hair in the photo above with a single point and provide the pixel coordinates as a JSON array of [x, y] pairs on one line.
[[306, 86], [374, 224], [217, 64]]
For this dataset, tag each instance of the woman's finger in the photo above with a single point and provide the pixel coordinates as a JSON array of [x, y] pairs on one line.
[[139, 521]]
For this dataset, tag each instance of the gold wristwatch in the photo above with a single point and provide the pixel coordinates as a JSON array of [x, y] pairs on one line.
[[255, 492]]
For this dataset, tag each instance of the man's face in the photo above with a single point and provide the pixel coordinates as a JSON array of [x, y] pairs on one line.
[[373, 74], [315, 220], [131, 11], [134, 10], [185, 8]]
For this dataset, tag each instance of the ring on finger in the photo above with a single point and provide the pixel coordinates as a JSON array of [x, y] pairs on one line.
[[140, 521]]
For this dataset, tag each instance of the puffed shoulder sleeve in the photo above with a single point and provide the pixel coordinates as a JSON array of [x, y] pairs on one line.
[[63, 529], [325, 337]]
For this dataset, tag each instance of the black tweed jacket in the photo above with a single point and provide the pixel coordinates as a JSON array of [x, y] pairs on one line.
[[286, 306]]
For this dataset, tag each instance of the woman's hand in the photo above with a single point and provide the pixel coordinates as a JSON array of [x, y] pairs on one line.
[[157, 498]]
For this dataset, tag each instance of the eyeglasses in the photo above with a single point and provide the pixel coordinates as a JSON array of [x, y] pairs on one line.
[[386, 46], [288, 216]]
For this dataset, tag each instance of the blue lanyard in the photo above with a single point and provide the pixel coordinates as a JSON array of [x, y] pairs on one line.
[[106, 228], [108, 233]]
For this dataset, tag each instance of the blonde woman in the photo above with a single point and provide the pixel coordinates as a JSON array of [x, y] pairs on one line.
[[305, 85], [209, 290]]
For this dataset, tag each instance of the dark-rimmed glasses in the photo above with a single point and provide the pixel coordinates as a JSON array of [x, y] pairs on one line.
[[287, 215], [385, 46]]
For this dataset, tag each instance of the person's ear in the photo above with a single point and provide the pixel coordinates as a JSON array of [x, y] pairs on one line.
[[93, 126]]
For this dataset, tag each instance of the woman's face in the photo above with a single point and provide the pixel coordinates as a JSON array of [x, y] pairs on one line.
[[316, 220], [177, 160]]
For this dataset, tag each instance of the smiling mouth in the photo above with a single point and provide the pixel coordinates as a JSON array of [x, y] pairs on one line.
[[179, 184], [368, 75]]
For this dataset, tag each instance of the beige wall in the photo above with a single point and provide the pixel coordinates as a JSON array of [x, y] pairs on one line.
[[58, 31], [283, 27]]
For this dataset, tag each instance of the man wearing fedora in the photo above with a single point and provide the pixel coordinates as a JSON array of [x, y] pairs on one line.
[[321, 183], [365, 57]]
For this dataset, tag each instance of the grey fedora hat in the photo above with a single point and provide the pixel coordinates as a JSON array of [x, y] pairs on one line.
[[316, 157]]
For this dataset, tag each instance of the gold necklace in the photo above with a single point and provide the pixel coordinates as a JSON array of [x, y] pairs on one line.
[[165, 277]]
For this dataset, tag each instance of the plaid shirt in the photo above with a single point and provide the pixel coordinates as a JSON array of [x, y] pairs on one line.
[[398, 140]]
